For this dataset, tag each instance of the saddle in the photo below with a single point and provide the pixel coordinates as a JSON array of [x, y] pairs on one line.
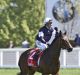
[[34, 57]]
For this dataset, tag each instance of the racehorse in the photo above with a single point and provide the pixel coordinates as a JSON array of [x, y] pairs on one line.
[[49, 61]]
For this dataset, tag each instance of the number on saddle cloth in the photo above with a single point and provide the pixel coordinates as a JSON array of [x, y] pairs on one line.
[[33, 57], [36, 55]]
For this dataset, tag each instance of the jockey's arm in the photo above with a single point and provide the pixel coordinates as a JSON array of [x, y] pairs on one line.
[[41, 35], [52, 37]]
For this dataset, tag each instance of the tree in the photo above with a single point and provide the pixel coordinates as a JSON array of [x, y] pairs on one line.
[[19, 20]]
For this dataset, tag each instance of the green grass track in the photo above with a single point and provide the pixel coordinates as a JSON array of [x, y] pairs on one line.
[[10, 71]]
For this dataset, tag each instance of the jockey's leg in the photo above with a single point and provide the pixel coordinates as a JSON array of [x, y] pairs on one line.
[[41, 45]]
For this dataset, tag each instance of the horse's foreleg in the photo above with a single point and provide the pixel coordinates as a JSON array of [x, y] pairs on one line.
[[56, 73]]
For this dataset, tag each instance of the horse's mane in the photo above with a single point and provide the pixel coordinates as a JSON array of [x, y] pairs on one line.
[[54, 40]]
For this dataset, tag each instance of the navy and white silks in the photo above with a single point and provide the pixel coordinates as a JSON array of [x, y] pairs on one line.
[[47, 34]]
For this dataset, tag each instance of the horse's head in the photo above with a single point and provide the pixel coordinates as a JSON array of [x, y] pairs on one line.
[[64, 42]]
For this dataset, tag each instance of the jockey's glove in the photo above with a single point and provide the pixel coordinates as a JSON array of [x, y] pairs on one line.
[[47, 44]]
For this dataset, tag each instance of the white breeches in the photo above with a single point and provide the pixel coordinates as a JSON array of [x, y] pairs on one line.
[[41, 45]]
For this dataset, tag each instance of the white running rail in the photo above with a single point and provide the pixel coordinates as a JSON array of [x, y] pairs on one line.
[[9, 58]]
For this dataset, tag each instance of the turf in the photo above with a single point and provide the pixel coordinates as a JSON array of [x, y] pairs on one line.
[[62, 72]]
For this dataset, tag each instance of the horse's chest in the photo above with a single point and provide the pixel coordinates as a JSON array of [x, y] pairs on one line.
[[49, 67]]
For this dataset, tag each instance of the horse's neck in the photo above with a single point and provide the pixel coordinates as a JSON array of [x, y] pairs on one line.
[[51, 55], [56, 46], [54, 49]]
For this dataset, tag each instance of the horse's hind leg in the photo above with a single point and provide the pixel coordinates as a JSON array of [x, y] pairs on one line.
[[26, 71], [31, 72]]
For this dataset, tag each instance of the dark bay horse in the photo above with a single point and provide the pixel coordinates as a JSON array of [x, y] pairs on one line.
[[49, 61]]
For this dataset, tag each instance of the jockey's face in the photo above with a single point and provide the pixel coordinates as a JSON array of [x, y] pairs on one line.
[[49, 24]]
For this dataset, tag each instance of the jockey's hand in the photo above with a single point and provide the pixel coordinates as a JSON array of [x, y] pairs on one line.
[[48, 44]]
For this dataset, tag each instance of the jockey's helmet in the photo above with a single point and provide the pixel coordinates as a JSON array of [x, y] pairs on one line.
[[46, 20]]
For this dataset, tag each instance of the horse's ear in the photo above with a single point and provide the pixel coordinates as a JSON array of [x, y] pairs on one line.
[[60, 33], [65, 33]]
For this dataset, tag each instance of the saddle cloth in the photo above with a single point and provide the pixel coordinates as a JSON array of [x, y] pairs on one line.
[[31, 60]]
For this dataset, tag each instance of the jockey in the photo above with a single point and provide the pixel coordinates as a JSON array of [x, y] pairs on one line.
[[43, 38]]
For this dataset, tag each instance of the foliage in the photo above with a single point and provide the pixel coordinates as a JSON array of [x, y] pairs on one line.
[[77, 5], [19, 20]]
